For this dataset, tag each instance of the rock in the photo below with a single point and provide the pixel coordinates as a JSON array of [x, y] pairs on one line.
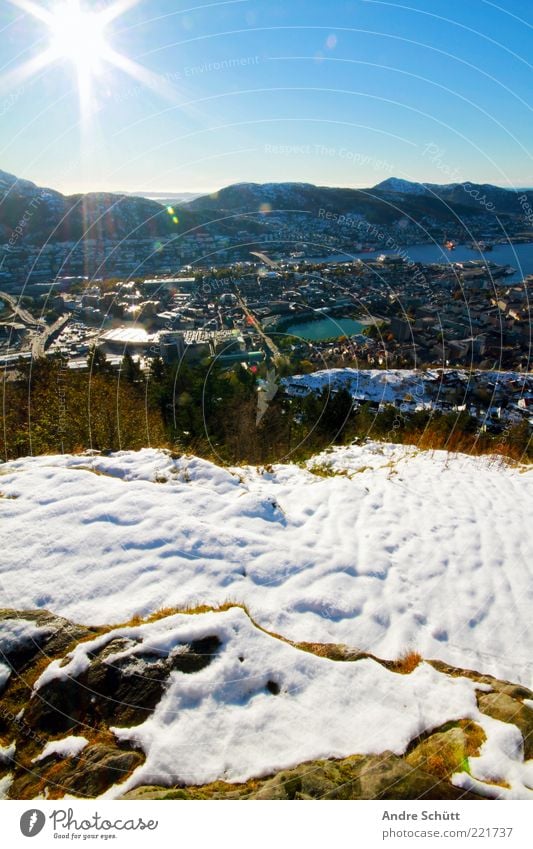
[[124, 691], [447, 751], [89, 774], [516, 691], [59, 636], [385, 776], [502, 706], [97, 769]]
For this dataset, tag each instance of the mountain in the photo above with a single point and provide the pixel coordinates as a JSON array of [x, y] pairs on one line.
[[382, 204], [36, 214], [482, 196], [371, 204], [398, 186], [41, 214]]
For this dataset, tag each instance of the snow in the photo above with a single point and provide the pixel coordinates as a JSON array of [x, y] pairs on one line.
[[7, 753], [397, 549], [500, 763], [406, 187], [68, 747], [417, 388], [223, 722], [14, 632]]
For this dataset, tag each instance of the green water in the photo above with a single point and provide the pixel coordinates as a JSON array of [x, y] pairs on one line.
[[324, 328]]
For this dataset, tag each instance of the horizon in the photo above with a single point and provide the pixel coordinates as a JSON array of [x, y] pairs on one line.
[[110, 95], [164, 193]]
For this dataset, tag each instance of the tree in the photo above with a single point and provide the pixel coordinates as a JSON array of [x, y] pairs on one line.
[[97, 361], [130, 370]]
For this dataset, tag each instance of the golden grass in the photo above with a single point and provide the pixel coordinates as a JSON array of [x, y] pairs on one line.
[[406, 663]]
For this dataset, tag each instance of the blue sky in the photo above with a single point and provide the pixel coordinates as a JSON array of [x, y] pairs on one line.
[[333, 93]]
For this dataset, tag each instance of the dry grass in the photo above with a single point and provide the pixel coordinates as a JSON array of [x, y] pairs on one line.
[[406, 663]]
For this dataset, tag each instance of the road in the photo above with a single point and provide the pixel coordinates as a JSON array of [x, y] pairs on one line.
[[270, 346], [40, 342], [264, 258], [42, 333], [22, 313]]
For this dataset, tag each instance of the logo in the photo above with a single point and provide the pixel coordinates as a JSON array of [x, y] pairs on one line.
[[32, 822]]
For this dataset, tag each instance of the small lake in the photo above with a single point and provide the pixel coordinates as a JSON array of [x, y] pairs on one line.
[[325, 328]]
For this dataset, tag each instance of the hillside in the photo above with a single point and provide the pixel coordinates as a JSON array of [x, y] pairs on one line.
[[49, 215], [303, 613], [382, 204], [473, 195]]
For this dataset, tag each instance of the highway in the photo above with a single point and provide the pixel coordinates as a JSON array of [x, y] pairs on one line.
[[40, 342], [270, 346], [22, 313], [41, 333]]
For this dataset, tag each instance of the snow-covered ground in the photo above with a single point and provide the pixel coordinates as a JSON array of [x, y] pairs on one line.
[[412, 388], [392, 549], [223, 722]]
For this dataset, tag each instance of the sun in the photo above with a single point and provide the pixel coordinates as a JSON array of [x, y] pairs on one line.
[[78, 35]]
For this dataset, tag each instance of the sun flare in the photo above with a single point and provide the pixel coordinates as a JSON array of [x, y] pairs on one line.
[[78, 35]]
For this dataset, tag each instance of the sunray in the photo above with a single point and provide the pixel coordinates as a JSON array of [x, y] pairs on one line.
[[27, 70], [152, 81], [117, 9], [78, 35], [33, 9]]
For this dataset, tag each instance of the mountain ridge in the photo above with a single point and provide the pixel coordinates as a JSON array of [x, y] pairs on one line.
[[43, 214]]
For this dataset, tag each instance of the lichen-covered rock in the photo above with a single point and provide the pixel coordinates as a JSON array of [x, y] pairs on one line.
[[447, 751], [89, 774], [122, 680], [122, 692], [502, 706], [28, 635], [385, 776]]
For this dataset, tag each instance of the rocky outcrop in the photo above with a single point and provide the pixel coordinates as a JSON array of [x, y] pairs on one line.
[[122, 680], [122, 692], [384, 776], [508, 708], [53, 635]]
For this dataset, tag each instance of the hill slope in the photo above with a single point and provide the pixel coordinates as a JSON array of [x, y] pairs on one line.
[[48, 215], [373, 551], [291, 616]]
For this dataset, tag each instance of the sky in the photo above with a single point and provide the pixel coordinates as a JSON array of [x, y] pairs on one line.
[[192, 95]]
